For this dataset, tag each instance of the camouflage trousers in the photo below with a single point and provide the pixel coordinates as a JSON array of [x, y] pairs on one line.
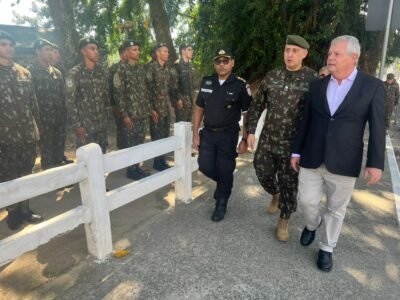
[[184, 115], [122, 141], [52, 145], [389, 112], [16, 161], [137, 134], [99, 137], [159, 131], [277, 176]]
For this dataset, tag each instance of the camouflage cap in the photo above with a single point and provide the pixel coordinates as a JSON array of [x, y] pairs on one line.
[[6, 36], [129, 43], [297, 40], [390, 76], [40, 43], [158, 46], [223, 52], [86, 41]]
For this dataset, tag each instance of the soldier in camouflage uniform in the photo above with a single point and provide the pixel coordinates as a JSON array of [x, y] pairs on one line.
[[130, 92], [49, 88], [183, 75], [391, 96], [88, 97], [122, 139], [161, 88], [282, 93], [19, 112]]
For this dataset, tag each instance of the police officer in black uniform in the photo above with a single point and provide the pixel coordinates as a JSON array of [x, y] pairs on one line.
[[221, 101]]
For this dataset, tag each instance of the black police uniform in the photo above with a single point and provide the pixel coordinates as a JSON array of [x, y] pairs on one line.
[[223, 106]]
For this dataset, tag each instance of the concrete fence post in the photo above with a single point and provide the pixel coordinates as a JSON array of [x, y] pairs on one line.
[[93, 193], [183, 159]]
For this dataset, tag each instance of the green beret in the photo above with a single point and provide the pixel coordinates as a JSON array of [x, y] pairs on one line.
[[158, 46], [297, 40], [223, 52], [40, 43], [86, 41], [128, 44], [6, 36], [390, 76]]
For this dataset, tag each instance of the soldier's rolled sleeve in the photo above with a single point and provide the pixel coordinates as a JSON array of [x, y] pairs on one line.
[[256, 108]]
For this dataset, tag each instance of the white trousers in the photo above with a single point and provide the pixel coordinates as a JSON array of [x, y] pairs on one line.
[[312, 185]]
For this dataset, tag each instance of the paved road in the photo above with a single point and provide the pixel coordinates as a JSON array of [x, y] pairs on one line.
[[178, 253]]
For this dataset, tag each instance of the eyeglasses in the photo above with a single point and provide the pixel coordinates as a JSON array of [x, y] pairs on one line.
[[219, 61]]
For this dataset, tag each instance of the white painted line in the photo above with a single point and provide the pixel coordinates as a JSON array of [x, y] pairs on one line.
[[395, 174]]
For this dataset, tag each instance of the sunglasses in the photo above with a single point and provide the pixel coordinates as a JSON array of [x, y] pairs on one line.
[[223, 61]]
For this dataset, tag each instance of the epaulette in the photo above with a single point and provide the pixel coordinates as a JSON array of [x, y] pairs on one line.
[[22, 72], [242, 79]]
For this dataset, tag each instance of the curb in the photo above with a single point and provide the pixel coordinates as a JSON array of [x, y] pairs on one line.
[[395, 175]]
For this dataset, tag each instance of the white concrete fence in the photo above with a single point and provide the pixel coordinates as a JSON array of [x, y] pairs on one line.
[[96, 205]]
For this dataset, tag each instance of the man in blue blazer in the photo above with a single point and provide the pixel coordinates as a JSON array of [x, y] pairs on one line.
[[328, 149]]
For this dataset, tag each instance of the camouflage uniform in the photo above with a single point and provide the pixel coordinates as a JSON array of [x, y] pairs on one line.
[[282, 93], [131, 96], [18, 114], [391, 99], [183, 76], [122, 139], [49, 87], [161, 88], [87, 96]]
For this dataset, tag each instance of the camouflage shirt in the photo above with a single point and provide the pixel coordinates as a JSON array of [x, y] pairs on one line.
[[19, 109], [130, 91], [49, 87], [282, 93], [87, 96], [392, 93], [161, 87], [183, 76], [111, 72]]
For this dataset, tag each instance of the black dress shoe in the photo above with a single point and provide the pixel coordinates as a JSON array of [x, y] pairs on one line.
[[160, 165], [30, 217], [220, 210], [14, 219], [307, 236], [324, 262]]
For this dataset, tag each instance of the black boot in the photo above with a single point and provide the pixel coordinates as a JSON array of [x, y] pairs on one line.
[[31, 217], [220, 210], [160, 165], [136, 173], [14, 219]]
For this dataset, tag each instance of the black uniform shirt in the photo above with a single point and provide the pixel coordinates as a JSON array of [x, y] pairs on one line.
[[223, 104]]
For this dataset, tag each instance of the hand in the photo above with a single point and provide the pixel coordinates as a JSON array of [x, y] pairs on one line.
[[372, 175], [295, 163], [179, 104], [251, 141], [81, 133], [128, 123], [195, 141], [242, 148], [154, 116]]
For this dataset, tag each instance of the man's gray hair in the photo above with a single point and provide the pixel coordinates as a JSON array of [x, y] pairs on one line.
[[353, 46]]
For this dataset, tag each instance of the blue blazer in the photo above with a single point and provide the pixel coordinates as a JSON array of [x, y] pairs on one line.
[[337, 140]]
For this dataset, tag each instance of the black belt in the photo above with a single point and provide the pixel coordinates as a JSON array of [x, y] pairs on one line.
[[218, 129]]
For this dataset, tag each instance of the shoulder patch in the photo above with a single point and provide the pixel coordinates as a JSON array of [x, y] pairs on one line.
[[208, 82], [117, 80]]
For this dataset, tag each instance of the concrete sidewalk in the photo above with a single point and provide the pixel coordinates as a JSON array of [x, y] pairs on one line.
[[178, 253]]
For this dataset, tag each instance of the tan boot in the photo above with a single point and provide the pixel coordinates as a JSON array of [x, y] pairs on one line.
[[282, 230], [272, 208]]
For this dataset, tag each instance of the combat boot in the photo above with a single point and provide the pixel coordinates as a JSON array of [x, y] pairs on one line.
[[160, 165], [220, 210], [14, 219], [282, 230], [31, 217], [273, 208]]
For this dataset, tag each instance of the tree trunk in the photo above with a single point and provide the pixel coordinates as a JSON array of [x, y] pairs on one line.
[[159, 20], [63, 18]]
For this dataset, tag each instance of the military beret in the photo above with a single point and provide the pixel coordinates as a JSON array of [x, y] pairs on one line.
[[86, 41], [55, 46], [158, 46], [6, 36], [223, 52], [390, 76], [297, 40], [40, 43], [184, 46], [128, 44]]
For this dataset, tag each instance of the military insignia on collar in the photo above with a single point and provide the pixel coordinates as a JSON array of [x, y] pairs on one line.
[[221, 52], [208, 82]]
